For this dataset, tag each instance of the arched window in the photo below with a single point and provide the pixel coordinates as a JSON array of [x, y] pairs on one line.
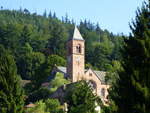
[[78, 48], [103, 92], [92, 84]]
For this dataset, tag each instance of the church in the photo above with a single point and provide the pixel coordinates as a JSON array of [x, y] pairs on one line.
[[76, 71]]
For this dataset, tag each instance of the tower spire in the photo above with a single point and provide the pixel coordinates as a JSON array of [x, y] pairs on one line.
[[77, 35]]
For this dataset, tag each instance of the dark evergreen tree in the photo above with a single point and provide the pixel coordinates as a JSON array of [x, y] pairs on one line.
[[54, 15], [45, 14], [29, 62], [11, 93], [81, 99], [102, 52], [66, 18], [58, 39], [131, 93], [25, 35], [50, 14]]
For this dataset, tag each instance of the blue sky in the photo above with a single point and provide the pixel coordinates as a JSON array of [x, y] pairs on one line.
[[113, 15]]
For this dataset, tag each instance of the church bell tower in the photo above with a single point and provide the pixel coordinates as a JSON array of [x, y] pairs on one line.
[[75, 56]]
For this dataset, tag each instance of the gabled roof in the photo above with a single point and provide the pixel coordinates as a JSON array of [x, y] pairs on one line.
[[99, 74], [62, 69], [76, 35]]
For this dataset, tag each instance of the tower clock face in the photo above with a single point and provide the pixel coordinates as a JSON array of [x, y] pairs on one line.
[[78, 59]]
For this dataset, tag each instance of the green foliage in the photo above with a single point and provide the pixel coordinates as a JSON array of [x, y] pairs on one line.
[[81, 99], [58, 81], [131, 93], [56, 60], [37, 43], [112, 75], [39, 108], [45, 69], [101, 46], [49, 35], [11, 93], [47, 106], [59, 36], [53, 106], [41, 93], [29, 62], [102, 58]]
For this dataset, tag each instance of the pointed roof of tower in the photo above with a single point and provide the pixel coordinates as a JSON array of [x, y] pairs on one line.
[[77, 35]]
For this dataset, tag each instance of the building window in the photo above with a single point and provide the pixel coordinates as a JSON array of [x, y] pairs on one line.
[[92, 84], [103, 92], [78, 48]]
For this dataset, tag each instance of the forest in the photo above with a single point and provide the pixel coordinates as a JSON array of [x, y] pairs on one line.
[[31, 45]]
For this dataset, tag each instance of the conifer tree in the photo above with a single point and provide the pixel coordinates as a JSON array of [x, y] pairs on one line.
[[81, 99], [131, 93], [11, 94]]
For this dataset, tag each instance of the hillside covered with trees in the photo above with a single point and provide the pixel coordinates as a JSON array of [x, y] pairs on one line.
[[31, 45], [22, 32], [37, 43]]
